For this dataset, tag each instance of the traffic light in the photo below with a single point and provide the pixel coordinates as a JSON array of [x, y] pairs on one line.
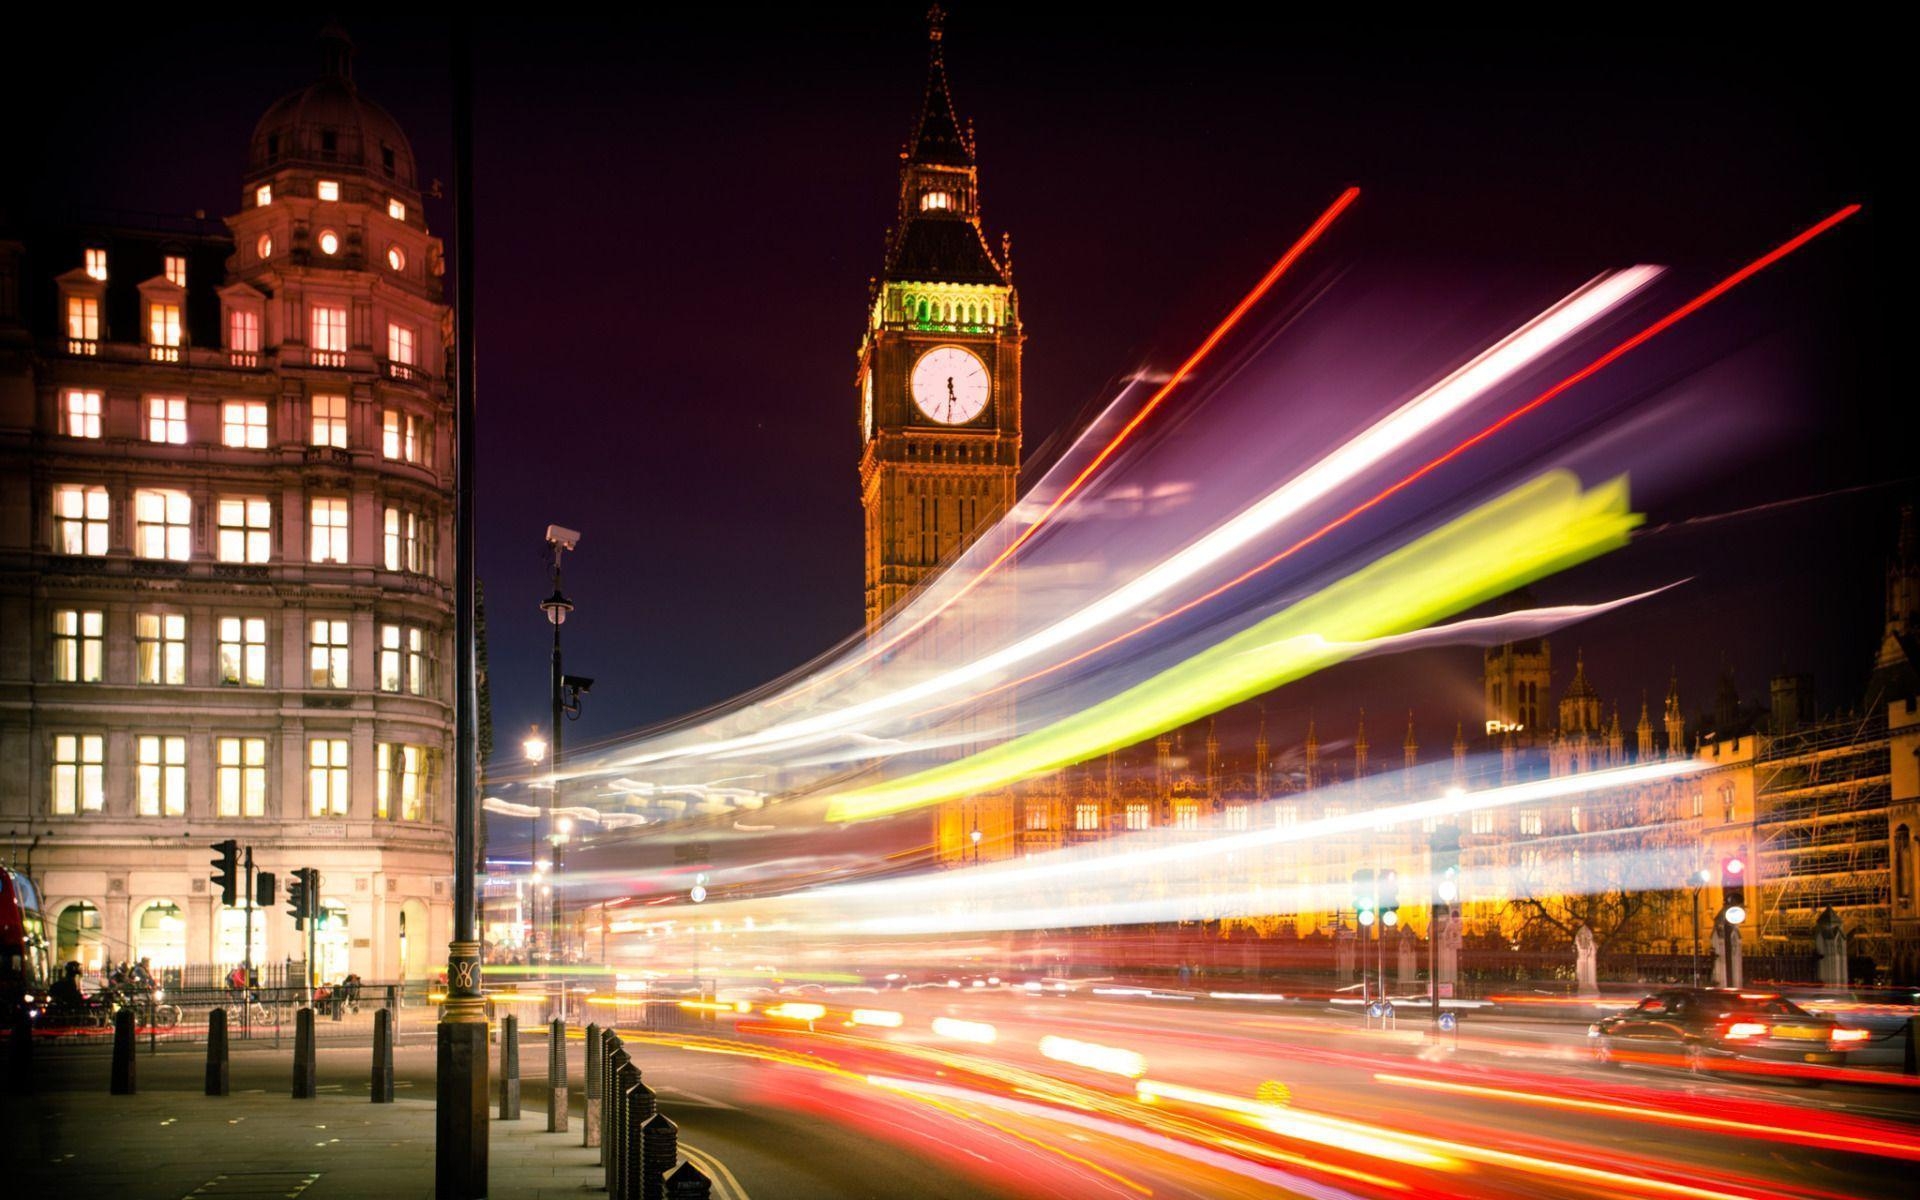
[[1733, 889], [263, 887], [1445, 869], [303, 896], [226, 870], [1364, 903], [1389, 898]]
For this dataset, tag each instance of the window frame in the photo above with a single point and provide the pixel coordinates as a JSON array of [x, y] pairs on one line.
[[174, 528], [159, 657], [81, 777], [240, 650]]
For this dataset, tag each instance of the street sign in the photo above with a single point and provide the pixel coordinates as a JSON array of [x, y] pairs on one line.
[[1448, 1022]]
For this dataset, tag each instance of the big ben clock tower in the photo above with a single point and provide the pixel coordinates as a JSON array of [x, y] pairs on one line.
[[939, 374]]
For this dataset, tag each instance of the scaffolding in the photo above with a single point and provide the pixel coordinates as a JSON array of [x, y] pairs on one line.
[[1820, 803]]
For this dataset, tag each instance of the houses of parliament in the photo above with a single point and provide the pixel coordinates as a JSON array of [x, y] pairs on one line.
[[1823, 808]]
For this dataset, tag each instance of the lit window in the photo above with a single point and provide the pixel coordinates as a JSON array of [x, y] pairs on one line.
[[243, 423], [1239, 817], [263, 196], [396, 210], [97, 264], [175, 268], [1139, 816], [79, 773], [1286, 816], [396, 258], [163, 332], [1186, 814], [1039, 817], [330, 332], [80, 519], [1573, 818], [243, 330], [264, 247], [406, 542], [1699, 804], [1530, 824], [400, 435], [82, 413], [329, 654], [329, 529], [78, 641], [246, 530], [1482, 820], [163, 776], [243, 651], [420, 663], [330, 421], [327, 777], [329, 242], [935, 200], [1086, 817], [241, 782], [398, 771], [161, 524], [392, 659], [167, 420], [83, 324], [400, 344], [327, 189], [160, 648]]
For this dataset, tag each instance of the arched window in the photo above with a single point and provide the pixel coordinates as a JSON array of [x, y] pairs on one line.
[[1903, 866]]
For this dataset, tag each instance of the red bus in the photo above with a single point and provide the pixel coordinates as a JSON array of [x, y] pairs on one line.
[[24, 971]]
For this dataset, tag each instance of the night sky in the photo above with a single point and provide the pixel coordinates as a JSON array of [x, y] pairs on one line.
[[678, 218]]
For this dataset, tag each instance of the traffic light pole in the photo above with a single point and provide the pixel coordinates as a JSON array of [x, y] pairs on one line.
[[246, 958]]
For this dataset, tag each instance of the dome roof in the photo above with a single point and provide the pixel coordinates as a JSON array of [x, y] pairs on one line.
[[329, 124]]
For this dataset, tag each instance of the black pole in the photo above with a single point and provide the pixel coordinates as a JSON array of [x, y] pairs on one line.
[[121, 1082], [550, 934], [306, 1083], [460, 1081], [380, 1083], [217, 1083]]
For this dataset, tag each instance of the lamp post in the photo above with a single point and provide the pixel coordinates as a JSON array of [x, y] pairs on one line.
[[975, 838], [1699, 879], [564, 697], [562, 942]]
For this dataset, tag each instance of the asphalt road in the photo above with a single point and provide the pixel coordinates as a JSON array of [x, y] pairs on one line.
[[1156, 1095]]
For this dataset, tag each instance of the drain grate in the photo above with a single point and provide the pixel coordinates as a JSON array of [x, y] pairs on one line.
[[257, 1184]]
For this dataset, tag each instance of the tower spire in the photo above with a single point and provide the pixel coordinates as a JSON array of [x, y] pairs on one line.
[[938, 138]]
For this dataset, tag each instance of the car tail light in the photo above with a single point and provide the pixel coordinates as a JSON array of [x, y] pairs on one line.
[[1746, 1029], [1843, 1036]]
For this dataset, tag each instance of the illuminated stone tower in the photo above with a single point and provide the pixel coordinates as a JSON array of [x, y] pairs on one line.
[[1519, 691], [939, 365]]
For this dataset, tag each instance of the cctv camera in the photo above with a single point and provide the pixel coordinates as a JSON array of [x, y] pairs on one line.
[[561, 536], [579, 683]]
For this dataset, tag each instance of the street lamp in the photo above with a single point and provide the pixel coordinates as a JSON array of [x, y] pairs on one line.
[[1699, 879], [535, 746], [975, 837], [557, 607]]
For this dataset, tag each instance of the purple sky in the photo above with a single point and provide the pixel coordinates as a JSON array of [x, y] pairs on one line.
[[678, 220]]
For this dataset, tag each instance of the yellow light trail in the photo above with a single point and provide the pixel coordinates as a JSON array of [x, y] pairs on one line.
[[1543, 526]]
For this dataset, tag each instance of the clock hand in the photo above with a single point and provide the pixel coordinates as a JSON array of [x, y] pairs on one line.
[[950, 398]]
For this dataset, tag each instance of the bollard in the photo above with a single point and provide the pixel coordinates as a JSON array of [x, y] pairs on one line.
[[306, 1084], [122, 1084], [217, 1052], [625, 1077], [380, 1087], [20, 1056], [590, 1119], [611, 1056], [688, 1182], [556, 1076], [509, 1068], [660, 1149]]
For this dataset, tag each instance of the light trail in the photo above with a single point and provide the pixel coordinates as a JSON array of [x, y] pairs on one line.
[[1532, 531], [1486, 371], [1280, 267]]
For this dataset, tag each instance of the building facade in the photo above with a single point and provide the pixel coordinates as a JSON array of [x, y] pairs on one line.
[[226, 555]]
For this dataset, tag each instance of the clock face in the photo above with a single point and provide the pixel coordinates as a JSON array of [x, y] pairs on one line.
[[950, 385]]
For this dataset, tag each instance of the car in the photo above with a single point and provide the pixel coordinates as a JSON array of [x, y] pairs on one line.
[[1697, 1026]]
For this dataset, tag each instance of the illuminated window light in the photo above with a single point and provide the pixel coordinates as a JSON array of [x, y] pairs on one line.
[[797, 1011], [175, 268], [396, 258], [396, 210], [264, 247], [935, 200], [97, 264], [329, 242], [263, 195], [327, 189]]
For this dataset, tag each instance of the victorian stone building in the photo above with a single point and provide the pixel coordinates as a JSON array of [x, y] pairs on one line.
[[225, 555]]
